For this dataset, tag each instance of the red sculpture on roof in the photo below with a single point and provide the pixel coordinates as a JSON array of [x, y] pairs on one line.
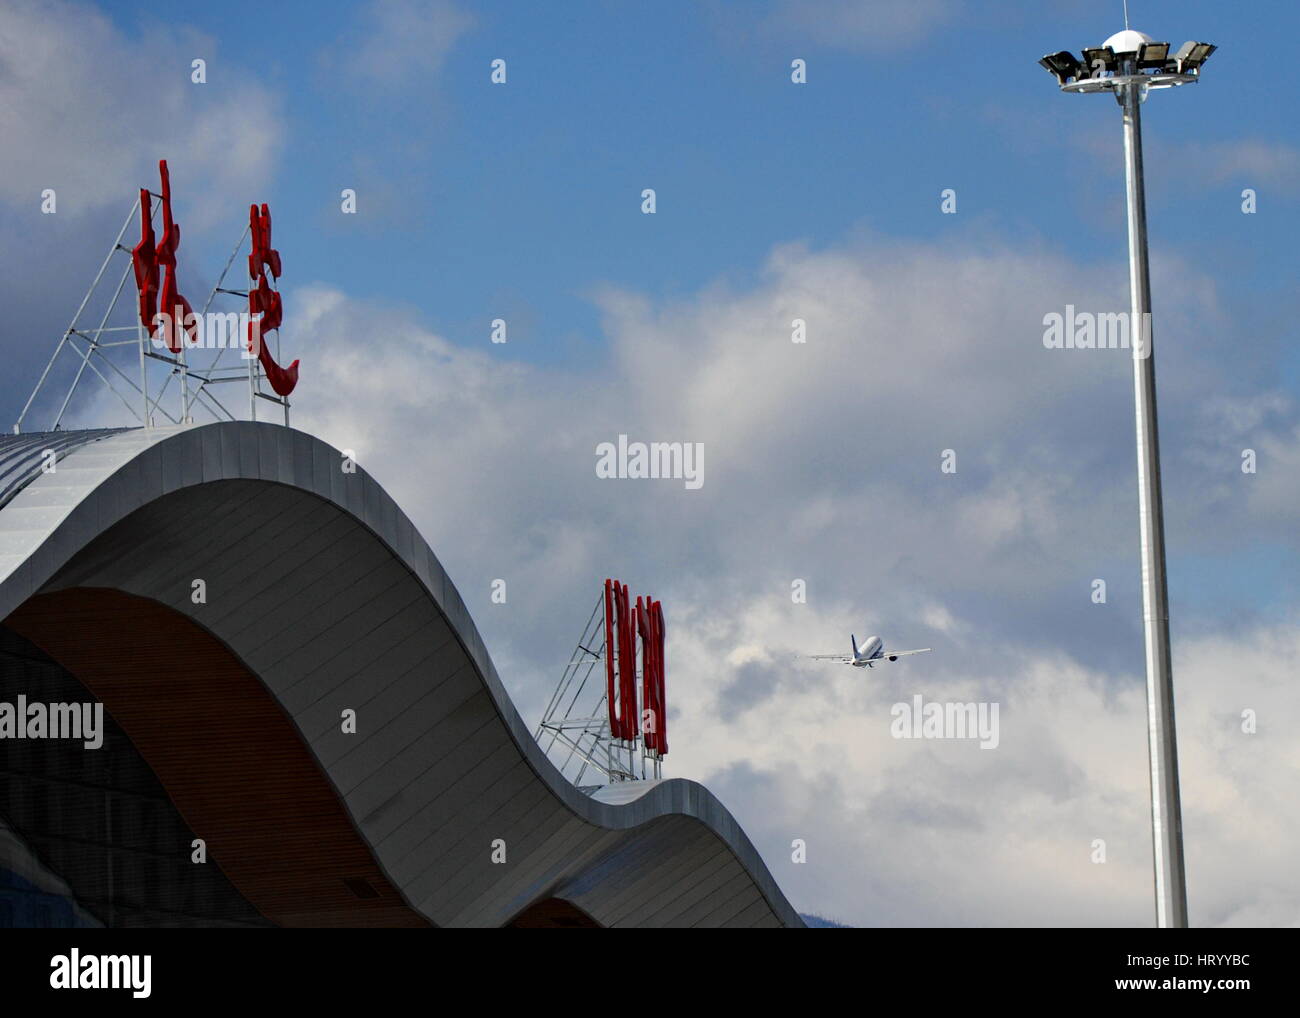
[[168, 315], [266, 301]]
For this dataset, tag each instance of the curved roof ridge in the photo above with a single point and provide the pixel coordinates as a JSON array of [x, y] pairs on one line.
[[599, 850]]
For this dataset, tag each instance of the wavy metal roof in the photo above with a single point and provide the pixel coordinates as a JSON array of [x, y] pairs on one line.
[[321, 587]]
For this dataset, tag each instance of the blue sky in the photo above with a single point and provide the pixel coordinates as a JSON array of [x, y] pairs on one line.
[[526, 196], [522, 201]]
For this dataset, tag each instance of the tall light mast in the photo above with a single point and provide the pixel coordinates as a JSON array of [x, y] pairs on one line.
[[1128, 65]]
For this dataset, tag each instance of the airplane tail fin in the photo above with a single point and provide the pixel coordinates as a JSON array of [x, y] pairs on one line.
[[854, 640]]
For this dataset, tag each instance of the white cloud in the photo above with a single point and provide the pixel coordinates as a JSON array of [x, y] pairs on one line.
[[87, 110], [396, 42], [823, 465], [1251, 162], [936, 833]]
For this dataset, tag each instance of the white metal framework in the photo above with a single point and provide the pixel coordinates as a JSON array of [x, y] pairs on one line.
[[101, 343], [1116, 82], [577, 718]]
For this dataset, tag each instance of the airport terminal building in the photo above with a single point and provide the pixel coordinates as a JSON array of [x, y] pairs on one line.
[[238, 689]]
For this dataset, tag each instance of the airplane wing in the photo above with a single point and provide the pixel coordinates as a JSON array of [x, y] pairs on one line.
[[890, 654], [842, 658]]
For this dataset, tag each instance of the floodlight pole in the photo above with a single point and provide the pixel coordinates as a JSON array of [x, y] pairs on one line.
[[1166, 809]]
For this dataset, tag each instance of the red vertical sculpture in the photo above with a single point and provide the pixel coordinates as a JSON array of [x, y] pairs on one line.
[[614, 728], [626, 665], [178, 315], [624, 623], [144, 260], [171, 236], [645, 627], [266, 301], [661, 699], [651, 622], [165, 312], [263, 255]]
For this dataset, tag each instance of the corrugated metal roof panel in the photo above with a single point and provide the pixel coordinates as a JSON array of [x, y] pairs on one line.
[[23, 456]]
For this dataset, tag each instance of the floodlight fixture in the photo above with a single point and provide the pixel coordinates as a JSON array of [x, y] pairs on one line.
[[1128, 57], [1153, 54], [1063, 65], [1100, 58], [1191, 55]]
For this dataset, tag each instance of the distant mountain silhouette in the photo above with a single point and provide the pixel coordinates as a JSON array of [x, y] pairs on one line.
[[818, 923]]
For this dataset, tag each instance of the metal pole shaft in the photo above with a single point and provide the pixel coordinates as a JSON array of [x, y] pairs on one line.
[[1166, 811], [144, 376]]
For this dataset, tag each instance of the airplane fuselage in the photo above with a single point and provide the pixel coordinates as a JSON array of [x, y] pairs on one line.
[[872, 649]]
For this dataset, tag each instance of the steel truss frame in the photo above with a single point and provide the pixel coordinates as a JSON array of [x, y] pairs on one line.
[[580, 723], [97, 347]]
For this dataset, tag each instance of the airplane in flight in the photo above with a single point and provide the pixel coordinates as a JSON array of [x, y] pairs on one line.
[[869, 654]]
